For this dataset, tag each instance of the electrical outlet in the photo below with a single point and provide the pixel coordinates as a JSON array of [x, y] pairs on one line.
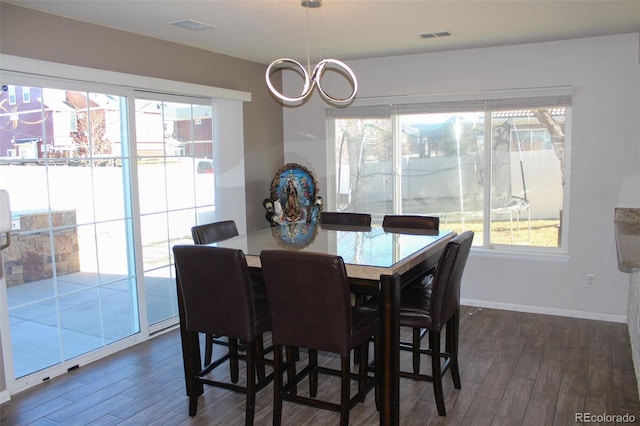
[[591, 281]]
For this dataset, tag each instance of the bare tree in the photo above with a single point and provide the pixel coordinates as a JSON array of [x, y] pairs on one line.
[[557, 135], [89, 139], [361, 137]]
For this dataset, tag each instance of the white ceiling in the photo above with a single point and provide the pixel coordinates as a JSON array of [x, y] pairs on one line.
[[263, 30]]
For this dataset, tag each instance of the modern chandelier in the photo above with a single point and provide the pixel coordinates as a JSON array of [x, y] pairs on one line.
[[311, 79]]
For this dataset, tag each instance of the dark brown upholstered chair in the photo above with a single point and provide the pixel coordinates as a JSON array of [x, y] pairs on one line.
[[217, 299], [347, 221], [214, 232], [414, 224], [411, 223], [345, 218], [311, 308], [207, 234], [433, 308]]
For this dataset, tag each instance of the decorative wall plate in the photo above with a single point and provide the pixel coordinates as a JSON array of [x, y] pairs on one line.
[[295, 189]]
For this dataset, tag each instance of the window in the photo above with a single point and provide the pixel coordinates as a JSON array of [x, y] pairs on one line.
[[173, 193], [12, 95], [491, 165], [72, 209], [103, 171]]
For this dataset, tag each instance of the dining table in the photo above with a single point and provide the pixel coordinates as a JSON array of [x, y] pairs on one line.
[[379, 262]]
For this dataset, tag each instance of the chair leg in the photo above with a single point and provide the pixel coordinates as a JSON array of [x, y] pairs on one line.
[[416, 351], [377, 370], [208, 348], [358, 300], [313, 373], [193, 405], [260, 367], [292, 356], [193, 398], [233, 360], [345, 383], [452, 348], [277, 385], [251, 351], [436, 373], [363, 367]]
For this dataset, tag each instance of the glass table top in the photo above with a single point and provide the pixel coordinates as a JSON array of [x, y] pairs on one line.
[[374, 246]]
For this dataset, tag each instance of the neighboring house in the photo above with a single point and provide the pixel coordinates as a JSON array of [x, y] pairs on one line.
[[53, 124], [37, 123], [22, 123]]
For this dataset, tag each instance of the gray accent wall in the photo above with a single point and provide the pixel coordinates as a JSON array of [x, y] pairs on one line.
[[36, 35]]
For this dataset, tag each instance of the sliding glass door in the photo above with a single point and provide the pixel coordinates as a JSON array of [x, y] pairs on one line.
[[70, 275], [102, 185], [174, 146]]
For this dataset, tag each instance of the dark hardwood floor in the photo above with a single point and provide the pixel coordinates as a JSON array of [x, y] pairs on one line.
[[517, 369]]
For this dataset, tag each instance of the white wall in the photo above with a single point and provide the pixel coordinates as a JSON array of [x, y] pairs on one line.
[[604, 171], [230, 163]]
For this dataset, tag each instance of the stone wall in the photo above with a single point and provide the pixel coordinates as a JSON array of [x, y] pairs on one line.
[[29, 257]]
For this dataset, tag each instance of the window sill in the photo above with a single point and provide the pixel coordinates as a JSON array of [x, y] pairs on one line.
[[527, 253]]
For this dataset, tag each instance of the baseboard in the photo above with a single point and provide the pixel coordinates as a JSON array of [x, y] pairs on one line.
[[545, 310], [4, 396]]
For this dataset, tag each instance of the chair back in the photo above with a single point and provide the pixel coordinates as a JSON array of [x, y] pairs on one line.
[[410, 223], [345, 218], [309, 300], [214, 232], [445, 297], [216, 290]]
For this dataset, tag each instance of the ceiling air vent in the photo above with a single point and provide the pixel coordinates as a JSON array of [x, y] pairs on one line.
[[190, 24], [437, 34]]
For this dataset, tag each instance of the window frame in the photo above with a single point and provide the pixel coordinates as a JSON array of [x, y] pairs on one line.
[[228, 120], [394, 107]]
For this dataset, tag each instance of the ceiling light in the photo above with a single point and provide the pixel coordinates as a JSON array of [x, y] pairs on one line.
[[311, 79], [192, 25]]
